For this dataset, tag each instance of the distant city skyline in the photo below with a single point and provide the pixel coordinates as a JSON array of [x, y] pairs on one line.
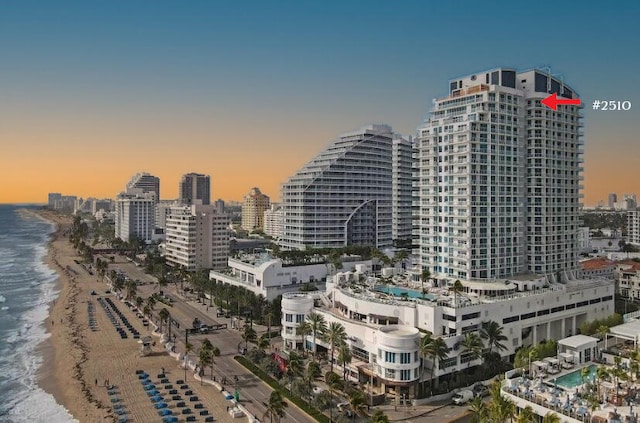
[[248, 92]]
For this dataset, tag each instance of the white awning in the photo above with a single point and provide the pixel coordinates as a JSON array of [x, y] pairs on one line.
[[578, 342], [629, 330], [540, 364], [551, 360]]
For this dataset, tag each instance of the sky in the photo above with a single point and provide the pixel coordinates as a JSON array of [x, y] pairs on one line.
[[92, 92]]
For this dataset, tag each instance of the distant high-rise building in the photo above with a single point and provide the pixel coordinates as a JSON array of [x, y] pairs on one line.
[[499, 190], [344, 195], [633, 227], [273, 220], [163, 208], [253, 207], [613, 199], [197, 237], [135, 214], [402, 186], [146, 182], [195, 186], [53, 197]]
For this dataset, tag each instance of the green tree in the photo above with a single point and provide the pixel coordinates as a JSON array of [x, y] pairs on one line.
[[318, 326], [551, 418], [275, 407], [378, 416], [357, 403], [344, 357], [491, 331], [472, 346], [437, 351], [304, 330], [457, 288], [424, 277], [479, 410], [313, 371], [527, 415], [334, 383], [164, 317], [335, 335]]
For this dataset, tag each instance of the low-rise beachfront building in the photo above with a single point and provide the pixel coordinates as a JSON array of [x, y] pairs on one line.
[[597, 268], [627, 275], [529, 310], [268, 276]]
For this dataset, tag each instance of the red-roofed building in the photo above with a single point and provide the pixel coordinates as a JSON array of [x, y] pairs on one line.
[[628, 279], [598, 268]]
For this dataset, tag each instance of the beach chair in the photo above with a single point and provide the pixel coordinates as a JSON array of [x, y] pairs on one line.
[[198, 406], [191, 419], [209, 419], [188, 392], [193, 398], [204, 412], [181, 404]]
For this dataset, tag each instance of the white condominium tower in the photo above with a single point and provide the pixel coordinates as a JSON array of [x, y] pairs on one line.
[[146, 182], [343, 196], [197, 237], [499, 179], [135, 215]]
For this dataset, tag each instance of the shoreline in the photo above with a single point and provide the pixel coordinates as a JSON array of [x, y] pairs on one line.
[[64, 352]]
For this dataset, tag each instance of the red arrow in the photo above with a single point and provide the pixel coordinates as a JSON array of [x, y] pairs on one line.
[[552, 101]]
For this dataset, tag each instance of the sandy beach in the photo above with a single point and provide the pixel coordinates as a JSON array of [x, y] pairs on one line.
[[78, 360]]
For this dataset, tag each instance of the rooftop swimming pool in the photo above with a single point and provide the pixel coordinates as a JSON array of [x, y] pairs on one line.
[[573, 379], [398, 291]]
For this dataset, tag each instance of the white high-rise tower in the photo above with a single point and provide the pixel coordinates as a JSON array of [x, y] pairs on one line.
[[500, 179]]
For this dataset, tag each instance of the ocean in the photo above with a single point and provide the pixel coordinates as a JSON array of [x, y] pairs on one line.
[[27, 286]]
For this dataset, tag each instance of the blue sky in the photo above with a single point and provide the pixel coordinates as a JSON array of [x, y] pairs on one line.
[[293, 73]]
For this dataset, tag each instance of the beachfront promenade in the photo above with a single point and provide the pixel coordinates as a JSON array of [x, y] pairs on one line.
[[253, 392]]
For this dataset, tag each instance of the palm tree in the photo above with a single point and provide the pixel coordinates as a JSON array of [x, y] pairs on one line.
[[151, 302], [132, 290], [424, 348], [295, 366], [603, 331], [303, 330], [344, 357], [249, 335], [139, 302], [335, 335], [437, 351], [164, 316], [457, 288], [378, 416], [318, 327], [500, 409], [472, 346], [333, 383], [275, 407], [527, 415], [424, 276], [187, 349], [492, 332], [551, 418], [357, 403], [263, 342], [205, 358], [479, 410]]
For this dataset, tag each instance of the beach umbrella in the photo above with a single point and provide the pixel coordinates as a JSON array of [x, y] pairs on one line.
[[149, 387], [115, 400], [160, 405], [229, 397], [157, 398], [165, 412]]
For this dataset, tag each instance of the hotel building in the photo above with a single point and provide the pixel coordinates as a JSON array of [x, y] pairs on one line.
[[633, 227], [145, 182], [500, 179]]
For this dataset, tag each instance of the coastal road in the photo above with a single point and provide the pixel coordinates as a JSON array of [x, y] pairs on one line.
[[253, 392]]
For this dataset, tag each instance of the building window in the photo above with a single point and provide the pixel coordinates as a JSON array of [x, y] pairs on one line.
[[389, 357], [299, 318], [405, 374], [405, 358], [389, 373], [288, 318]]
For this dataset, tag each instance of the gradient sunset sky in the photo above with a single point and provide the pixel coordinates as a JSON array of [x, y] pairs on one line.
[[92, 92]]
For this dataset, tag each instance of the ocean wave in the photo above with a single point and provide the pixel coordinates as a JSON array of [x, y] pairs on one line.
[[2, 299], [35, 405], [4, 308]]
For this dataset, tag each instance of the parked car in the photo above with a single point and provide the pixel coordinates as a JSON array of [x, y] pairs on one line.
[[463, 397], [205, 328], [480, 390]]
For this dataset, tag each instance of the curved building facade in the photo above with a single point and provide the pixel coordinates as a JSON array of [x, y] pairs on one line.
[[344, 195], [295, 309]]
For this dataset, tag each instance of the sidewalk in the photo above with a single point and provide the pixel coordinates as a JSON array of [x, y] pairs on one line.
[[402, 412]]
